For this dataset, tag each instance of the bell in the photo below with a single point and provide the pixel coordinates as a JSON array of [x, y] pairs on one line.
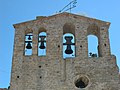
[[68, 43], [68, 50], [29, 38], [29, 46], [42, 46]]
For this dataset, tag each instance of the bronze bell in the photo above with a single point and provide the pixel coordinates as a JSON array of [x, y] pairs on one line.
[[29, 46], [68, 43], [42, 46], [29, 37], [68, 50]]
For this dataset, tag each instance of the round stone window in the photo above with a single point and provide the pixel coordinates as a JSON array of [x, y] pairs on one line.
[[82, 82]]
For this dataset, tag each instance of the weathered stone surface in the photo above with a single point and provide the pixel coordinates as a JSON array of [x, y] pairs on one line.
[[3, 89], [52, 72]]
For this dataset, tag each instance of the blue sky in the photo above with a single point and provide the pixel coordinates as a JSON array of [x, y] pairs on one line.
[[15, 11]]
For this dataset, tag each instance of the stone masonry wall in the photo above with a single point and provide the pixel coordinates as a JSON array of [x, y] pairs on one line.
[[3, 89], [52, 72]]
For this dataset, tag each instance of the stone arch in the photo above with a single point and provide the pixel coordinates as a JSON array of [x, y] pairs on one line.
[[69, 28], [42, 29], [42, 42], [28, 30], [68, 40], [94, 30], [28, 45]]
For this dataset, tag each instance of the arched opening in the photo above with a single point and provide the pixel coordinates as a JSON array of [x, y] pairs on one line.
[[42, 44], [69, 28], [93, 40], [68, 40], [92, 46], [93, 29], [28, 44]]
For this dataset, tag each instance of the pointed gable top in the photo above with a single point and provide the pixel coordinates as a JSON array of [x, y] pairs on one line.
[[64, 14]]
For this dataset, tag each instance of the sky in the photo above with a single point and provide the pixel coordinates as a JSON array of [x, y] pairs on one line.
[[16, 11]]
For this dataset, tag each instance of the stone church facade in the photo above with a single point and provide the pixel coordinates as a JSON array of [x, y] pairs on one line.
[[52, 71]]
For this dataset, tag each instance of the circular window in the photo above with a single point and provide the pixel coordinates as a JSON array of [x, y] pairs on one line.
[[82, 82]]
